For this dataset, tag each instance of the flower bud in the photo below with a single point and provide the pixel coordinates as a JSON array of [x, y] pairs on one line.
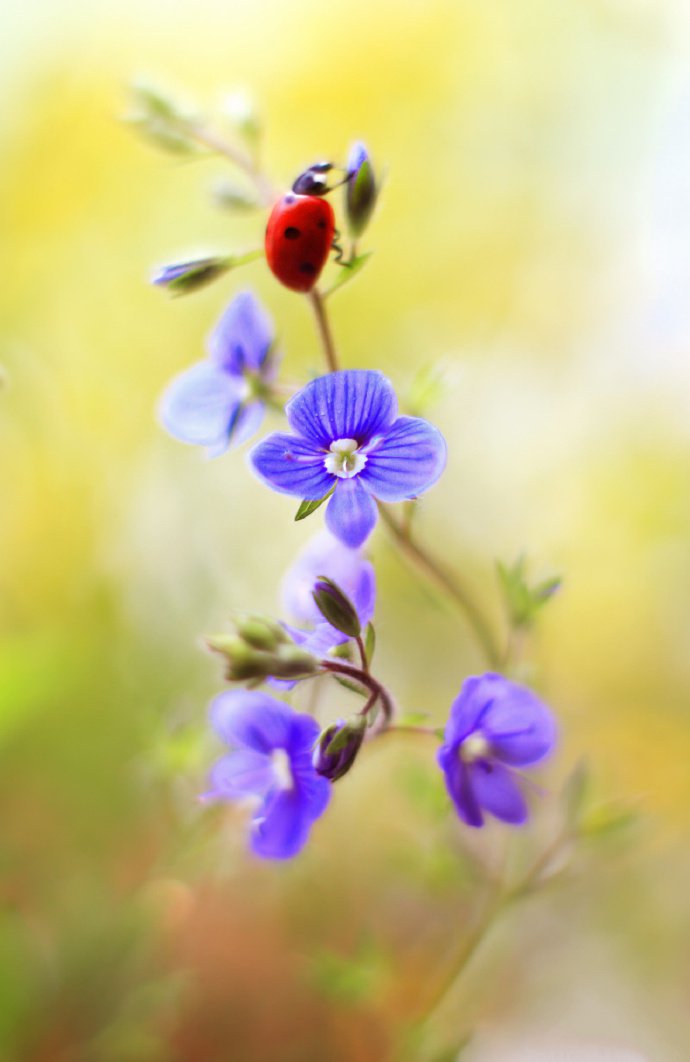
[[337, 748], [336, 607], [261, 632], [181, 278], [360, 190], [247, 661]]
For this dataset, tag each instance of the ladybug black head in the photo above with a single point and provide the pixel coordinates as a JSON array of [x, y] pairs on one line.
[[313, 181]]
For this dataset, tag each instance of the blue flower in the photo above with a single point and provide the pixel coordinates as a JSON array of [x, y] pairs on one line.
[[271, 762], [325, 555], [220, 402], [494, 726], [349, 439]]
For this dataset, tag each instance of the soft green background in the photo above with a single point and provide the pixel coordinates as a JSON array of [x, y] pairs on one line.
[[533, 237]]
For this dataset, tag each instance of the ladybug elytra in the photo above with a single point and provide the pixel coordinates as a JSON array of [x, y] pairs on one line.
[[301, 230]]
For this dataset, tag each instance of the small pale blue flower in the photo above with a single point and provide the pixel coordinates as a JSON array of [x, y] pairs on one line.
[[219, 403], [349, 439], [271, 765], [494, 726], [325, 555]]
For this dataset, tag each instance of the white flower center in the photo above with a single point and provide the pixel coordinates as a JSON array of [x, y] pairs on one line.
[[282, 771], [474, 747], [344, 460]]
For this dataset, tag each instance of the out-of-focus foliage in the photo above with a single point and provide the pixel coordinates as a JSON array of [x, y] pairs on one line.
[[532, 236]]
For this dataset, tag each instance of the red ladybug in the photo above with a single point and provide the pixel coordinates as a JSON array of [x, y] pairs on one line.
[[300, 231]]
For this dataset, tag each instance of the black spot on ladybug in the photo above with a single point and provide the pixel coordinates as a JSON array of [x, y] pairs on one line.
[[321, 223], [291, 233], [308, 268], [289, 198]]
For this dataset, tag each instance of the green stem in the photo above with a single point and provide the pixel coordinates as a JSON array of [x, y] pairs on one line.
[[447, 581], [469, 946], [498, 901], [220, 146], [324, 329]]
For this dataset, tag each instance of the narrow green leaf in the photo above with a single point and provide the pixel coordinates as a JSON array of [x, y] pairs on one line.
[[370, 642], [306, 508], [574, 794], [351, 686], [348, 272]]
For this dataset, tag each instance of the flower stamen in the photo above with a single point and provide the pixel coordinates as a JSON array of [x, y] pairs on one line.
[[345, 460], [474, 747]]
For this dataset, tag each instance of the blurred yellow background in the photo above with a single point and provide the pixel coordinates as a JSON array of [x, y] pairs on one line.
[[533, 238]]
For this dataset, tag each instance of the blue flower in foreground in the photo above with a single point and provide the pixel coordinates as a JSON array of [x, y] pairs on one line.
[[220, 402], [494, 726], [349, 439], [325, 555], [271, 762]]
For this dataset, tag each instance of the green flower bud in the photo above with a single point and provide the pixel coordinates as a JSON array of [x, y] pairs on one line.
[[261, 632], [336, 607], [361, 191]]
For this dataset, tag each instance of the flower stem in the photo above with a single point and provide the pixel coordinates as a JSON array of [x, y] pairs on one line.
[[447, 581], [208, 138], [498, 900], [379, 692], [324, 329]]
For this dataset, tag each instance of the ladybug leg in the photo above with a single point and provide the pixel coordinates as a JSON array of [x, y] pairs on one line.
[[339, 251]]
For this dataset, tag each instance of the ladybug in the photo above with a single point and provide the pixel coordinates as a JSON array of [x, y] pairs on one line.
[[301, 230]]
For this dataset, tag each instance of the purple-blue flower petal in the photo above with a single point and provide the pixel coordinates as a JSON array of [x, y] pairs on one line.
[[291, 465], [351, 513], [406, 461], [243, 773], [325, 555], [198, 406], [253, 720], [282, 828], [519, 728], [459, 786], [350, 404], [471, 705], [497, 792], [242, 338]]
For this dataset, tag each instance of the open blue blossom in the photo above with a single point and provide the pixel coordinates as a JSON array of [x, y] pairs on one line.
[[271, 763], [349, 439], [325, 555], [220, 402], [494, 726]]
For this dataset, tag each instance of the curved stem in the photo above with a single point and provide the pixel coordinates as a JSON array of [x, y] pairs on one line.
[[362, 653], [447, 581], [379, 692], [324, 328]]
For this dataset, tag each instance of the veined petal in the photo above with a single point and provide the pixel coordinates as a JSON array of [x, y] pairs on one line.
[[350, 404], [364, 594], [291, 465], [459, 786], [351, 513], [497, 791], [199, 404], [281, 829], [407, 460], [322, 639], [519, 728], [253, 720], [325, 555], [471, 706], [303, 733], [242, 338], [243, 773]]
